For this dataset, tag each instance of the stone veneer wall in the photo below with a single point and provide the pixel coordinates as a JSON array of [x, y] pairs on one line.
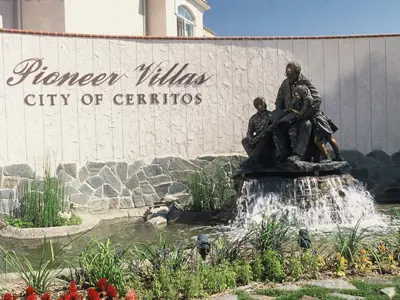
[[101, 186], [379, 171]]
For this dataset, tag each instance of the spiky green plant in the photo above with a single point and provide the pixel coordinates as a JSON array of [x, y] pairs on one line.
[[349, 241], [209, 192], [40, 279], [42, 201]]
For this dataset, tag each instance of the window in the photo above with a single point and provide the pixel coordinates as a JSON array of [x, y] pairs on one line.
[[185, 22]]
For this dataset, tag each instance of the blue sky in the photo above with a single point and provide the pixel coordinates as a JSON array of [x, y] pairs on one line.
[[307, 17]]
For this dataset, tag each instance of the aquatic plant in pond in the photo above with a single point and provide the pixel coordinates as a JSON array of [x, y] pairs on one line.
[[42, 204], [210, 191]]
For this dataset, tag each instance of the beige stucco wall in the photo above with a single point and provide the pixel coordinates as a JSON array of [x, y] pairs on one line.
[[360, 93], [7, 14], [43, 15], [122, 17], [156, 12]]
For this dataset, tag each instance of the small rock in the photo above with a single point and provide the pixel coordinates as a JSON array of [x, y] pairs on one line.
[[169, 199], [262, 297], [308, 298], [377, 280], [346, 297], [2, 224], [159, 211], [289, 288], [390, 292], [157, 221], [226, 297], [333, 284]]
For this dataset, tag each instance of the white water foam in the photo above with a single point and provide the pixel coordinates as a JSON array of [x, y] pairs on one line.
[[305, 204]]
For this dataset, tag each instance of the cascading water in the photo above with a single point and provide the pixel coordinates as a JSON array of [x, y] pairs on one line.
[[309, 202]]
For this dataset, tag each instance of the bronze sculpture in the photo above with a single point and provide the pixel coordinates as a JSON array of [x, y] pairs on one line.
[[292, 137], [255, 126], [323, 127], [299, 132]]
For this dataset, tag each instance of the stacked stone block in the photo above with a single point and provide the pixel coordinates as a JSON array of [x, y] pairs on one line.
[[102, 186]]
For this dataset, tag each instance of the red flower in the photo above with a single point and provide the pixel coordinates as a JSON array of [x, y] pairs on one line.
[[8, 296], [30, 291], [73, 291], [93, 294], [102, 284], [45, 297], [131, 295], [31, 297], [111, 291]]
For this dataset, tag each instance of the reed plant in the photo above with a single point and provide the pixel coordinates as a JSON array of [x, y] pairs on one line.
[[209, 192], [42, 201]]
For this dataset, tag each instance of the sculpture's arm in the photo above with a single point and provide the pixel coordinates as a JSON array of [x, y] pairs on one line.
[[279, 102], [311, 106], [250, 130], [314, 94]]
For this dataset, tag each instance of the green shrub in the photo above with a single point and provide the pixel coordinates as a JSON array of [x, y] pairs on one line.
[[294, 268], [257, 268], [272, 265]]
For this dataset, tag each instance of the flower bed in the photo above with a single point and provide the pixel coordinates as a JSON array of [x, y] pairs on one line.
[[103, 290], [267, 253]]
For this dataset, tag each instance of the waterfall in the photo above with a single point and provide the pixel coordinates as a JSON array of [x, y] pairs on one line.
[[307, 202]]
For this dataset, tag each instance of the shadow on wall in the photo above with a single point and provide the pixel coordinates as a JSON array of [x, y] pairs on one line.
[[359, 102]]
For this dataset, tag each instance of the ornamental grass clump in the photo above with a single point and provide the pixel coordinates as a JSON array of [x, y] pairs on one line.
[[209, 192], [42, 204], [103, 260]]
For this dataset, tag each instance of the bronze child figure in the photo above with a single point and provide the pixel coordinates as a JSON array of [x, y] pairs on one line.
[[323, 127], [256, 125]]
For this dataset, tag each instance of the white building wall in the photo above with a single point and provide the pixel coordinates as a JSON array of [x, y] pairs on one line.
[[122, 17], [172, 13], [360, 94]]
